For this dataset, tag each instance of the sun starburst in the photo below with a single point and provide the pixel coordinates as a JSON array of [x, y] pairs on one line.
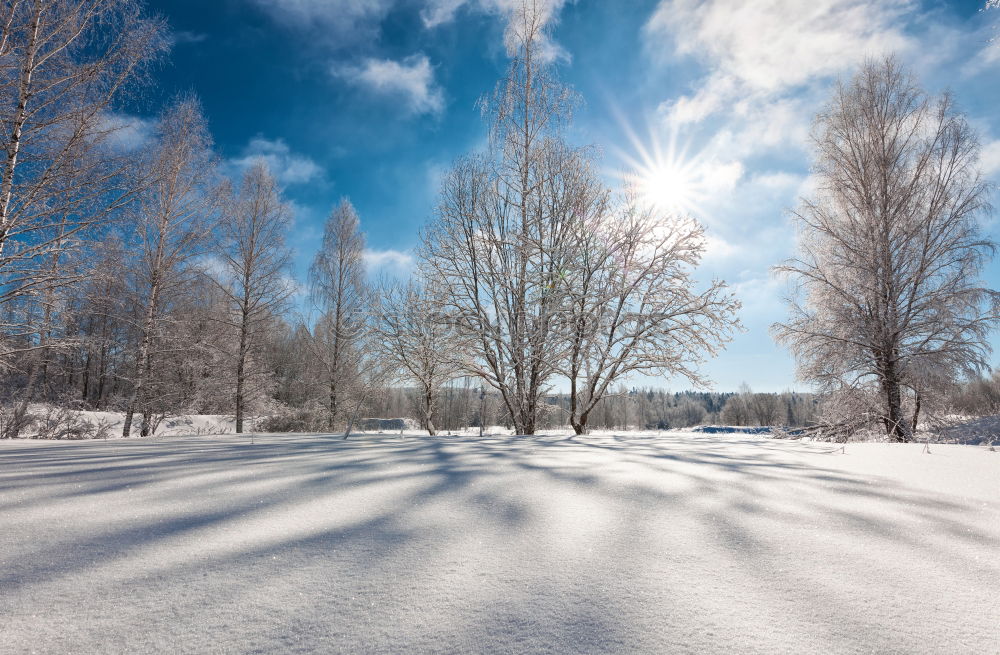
[[662, 173]]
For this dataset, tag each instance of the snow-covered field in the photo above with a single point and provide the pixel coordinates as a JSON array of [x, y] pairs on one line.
[[671, 543]]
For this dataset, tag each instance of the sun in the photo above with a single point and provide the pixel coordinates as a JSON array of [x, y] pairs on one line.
[[662, 174], [668, 186]]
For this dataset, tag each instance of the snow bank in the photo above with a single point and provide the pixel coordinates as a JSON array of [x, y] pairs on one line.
[[984, 430], [111, 423]]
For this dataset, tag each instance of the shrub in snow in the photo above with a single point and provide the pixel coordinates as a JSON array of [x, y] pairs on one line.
[[59, 423], [294, 419]]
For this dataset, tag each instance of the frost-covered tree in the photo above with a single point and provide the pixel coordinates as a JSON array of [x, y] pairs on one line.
[[63, 64], [176, 215], [338, 290], [411, 338], [890, 249], [254, 267], [738, 409], [632, 306]]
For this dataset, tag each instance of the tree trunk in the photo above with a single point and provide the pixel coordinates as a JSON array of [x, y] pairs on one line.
[[138, 387], [916, 414], [897, 428], [482, 410], [85, 378], [145, 346], [16, 128], [333, 404], [240, 375], [428, 411]]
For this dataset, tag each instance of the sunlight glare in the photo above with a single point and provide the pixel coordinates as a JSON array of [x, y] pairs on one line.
[[662, 174], [667, 186]]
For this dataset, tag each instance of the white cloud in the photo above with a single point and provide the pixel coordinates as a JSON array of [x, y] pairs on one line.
[[439, 12], [395, 262], [127, 133], [411, 79], [778, 180], [286, 166], [762, 49], [518, 12], [721, 177], [186, 36], [335, 19], [762, 297], [989, 159], [718, 250]]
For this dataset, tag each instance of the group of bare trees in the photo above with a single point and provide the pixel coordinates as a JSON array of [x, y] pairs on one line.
[[546, 273], [108, 294]]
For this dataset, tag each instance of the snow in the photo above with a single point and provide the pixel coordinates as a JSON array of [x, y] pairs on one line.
[[185, 424], [656, 542], [985, 429]]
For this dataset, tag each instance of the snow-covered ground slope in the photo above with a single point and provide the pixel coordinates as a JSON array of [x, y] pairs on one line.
[[110, 424], [678, 543], [983, 430]]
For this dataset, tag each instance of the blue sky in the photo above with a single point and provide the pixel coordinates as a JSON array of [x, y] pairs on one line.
[[373, 99]]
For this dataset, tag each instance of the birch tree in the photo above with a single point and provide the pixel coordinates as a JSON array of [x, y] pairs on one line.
[[500, 240], [337, 290], [254, 261], [890, 250], [174, 223], [63, 63]]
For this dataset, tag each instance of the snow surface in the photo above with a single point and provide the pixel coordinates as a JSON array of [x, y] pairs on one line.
[[668, 543]]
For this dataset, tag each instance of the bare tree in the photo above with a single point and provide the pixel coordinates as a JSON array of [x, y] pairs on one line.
[[632, 303], [174, 223], [411, 337], [254, 267], [101, 329], [500, 240], [738, 409], [765, 408], [337, 288], [890, 251], [62, 64]]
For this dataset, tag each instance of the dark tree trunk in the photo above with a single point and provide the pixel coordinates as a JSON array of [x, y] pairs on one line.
[[240, 375], [428, 411], [85, 381], [333, 404], [897, 427]]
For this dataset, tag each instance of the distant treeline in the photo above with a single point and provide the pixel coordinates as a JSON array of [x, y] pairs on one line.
[[463, 403]]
